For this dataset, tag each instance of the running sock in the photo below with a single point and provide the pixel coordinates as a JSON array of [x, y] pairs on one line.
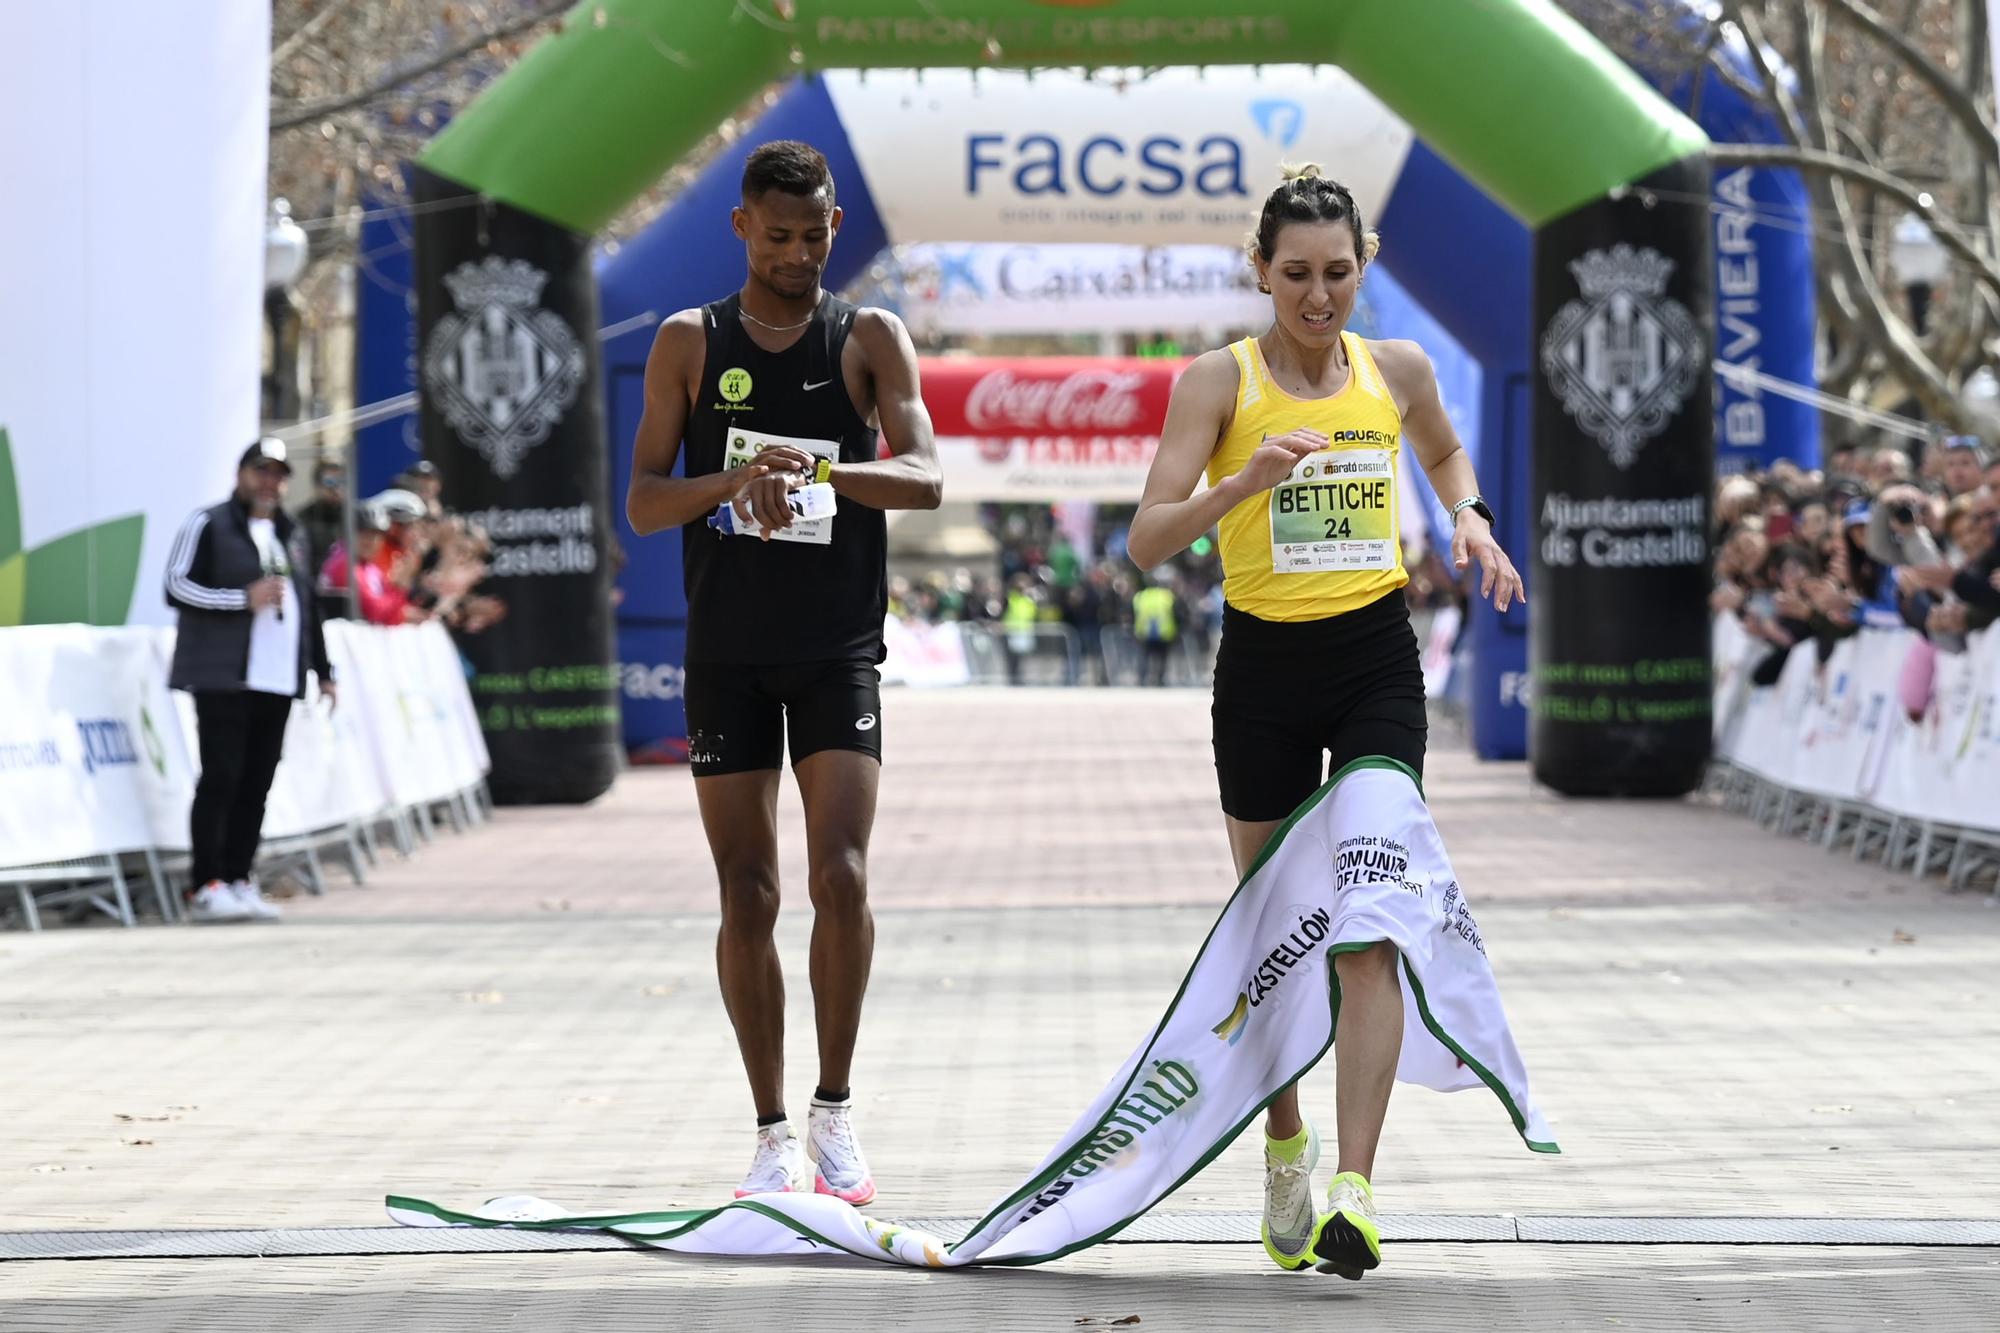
[[777, 1117], [821, 1095], [1287, 1150]]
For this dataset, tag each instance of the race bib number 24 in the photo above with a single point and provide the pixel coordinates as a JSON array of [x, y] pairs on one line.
[[1336, 511]]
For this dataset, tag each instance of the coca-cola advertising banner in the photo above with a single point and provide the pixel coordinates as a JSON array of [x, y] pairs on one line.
[[1047, 428], [1054, 395]]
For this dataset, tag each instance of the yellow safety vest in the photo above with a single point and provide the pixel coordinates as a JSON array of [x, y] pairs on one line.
[[1153, 615]]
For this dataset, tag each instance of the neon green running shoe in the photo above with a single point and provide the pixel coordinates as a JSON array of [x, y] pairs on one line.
[[1289, 1220], [1348, 1241]]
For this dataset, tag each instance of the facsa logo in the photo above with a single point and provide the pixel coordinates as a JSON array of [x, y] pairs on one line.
[[1106, 165]]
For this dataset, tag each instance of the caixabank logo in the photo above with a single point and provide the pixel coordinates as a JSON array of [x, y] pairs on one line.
[[84, 576]]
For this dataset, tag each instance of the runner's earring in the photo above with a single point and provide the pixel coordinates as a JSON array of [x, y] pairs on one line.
[[1263, 286]]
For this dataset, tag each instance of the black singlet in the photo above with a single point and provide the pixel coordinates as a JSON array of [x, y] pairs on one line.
[[769, 603]]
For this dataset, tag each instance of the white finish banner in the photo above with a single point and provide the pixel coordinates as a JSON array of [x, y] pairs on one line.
[[1844, 729], [961, 290], [1178, 156], [110, 437], [1360, 862]]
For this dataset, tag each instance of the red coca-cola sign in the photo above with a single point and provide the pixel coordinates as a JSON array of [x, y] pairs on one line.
[[1043, 396]]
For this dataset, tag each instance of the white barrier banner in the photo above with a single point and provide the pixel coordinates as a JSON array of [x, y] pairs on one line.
[[97, 755], [69, 756], [1438, 646], [136, 664], [1946, 765], [318, 782], [924, 655], [453, 686], [1843, 728], [409, 740]]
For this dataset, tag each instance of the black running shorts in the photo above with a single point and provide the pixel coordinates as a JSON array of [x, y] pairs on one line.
[[1296, 701], [739, 717]]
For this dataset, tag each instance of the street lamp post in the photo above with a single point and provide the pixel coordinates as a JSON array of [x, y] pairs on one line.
[[1919, 263], [285, 253]]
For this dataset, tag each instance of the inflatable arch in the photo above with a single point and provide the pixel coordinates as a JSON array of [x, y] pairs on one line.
[[1614, 296]]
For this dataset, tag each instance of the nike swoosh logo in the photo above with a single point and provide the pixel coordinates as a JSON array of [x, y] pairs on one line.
[[810, 386], [1291, 1246]]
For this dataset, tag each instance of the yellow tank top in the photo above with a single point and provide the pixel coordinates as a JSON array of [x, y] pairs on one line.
[[1328, 539]]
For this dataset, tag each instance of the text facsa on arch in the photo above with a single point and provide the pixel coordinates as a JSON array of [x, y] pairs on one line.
[[1106, 165]]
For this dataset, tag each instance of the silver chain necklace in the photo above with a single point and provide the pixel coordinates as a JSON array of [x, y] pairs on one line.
[[778, 328]]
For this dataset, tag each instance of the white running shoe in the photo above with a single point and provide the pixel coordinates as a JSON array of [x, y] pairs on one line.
[[214, 903], [1289, 1220], [256, 907], [830, 1142], [780, 1166]]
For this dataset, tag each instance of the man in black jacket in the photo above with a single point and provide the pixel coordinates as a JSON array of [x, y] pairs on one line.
[[240, 576]]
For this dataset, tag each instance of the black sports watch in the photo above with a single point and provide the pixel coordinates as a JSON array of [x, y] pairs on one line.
[[1476, 505]]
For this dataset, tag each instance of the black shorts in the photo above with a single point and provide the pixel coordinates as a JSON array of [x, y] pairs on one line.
[[739, 717], [1297, 701]]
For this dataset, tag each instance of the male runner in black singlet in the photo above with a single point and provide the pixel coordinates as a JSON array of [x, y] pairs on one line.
[[771, 389]]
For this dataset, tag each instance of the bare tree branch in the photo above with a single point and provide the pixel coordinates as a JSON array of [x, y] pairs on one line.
[[1897, 342], [306, 31], [320, 110], [1955, 98], [1949, 233]]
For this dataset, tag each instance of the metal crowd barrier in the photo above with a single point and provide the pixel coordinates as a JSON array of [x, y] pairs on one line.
[[1919, 847], [1055, 654], [103, 883]]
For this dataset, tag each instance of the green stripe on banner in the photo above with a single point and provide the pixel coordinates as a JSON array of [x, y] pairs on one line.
[[1486, 1075], [1514, 93]]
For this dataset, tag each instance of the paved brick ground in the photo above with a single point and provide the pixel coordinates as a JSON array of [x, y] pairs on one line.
[[1719, 1021]]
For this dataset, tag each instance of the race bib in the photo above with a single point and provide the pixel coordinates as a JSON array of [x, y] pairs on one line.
[[745, 445], [1336, 511]]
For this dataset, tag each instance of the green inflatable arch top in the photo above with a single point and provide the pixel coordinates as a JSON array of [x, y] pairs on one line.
[[1514, 93]]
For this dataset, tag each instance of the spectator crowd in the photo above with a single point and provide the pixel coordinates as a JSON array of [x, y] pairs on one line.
[[1883, 536], [413, 559], [1128, 626]]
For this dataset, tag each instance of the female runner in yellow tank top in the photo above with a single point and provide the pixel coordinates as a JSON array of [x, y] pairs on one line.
[[1298, 432]]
